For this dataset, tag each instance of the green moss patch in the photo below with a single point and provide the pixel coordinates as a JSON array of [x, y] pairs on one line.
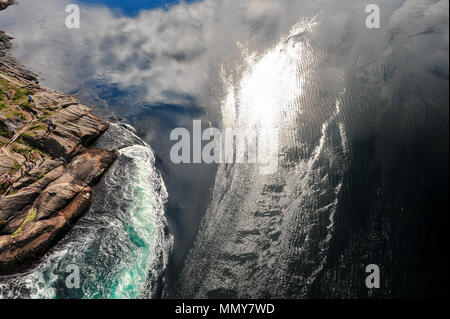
[[14, 168], [4, 84], [4, 187], [37, 127], [27, 107], [20, 150], [20, 114], [20, 95], [30, 217], [35, 179]]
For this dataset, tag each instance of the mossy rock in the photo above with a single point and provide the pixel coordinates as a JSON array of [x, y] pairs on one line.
[[4, 84], [20, 95], [30, 217]]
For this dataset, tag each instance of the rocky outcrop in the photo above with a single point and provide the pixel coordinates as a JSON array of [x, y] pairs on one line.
[[47, 163], [5, 40], [75, 127], [5, 3], [21, 249], [47, 209]]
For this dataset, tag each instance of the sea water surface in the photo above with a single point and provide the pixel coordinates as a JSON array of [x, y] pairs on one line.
[[363, 146]]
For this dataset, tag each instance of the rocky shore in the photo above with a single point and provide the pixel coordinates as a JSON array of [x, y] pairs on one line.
[[5, 3], [47, 163]]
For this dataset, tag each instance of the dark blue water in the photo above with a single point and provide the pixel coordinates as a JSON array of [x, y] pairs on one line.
[[132, 8]]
